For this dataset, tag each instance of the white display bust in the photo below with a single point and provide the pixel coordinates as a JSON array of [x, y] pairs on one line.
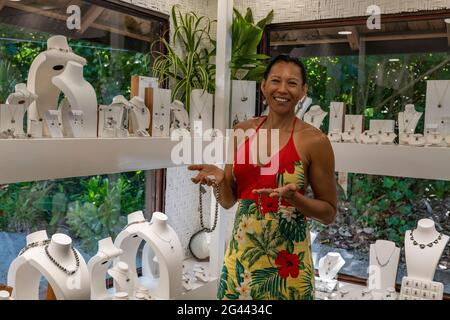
[[80, 94], [165, 244], [408, 119], [423, 249], [25, 271], [330, 265], [383, 265]]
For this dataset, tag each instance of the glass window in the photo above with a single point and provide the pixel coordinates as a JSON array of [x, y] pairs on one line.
[[115, 38], [375, 73]]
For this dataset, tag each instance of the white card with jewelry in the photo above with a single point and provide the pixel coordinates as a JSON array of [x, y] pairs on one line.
[[53, 121], [11, 117], [161, 112], [415, 289]]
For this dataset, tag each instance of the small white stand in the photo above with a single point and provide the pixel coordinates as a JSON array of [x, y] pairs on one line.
[[416, 140], [11, 118], [368, 137], [161, 112], [165, 244], [201, 112], [315, 116], [353, 124], [335, 136], [337, 111], [407, 122], [25, 271], [122, 278], [329, 267], [98, 266], [415, 289], [80, 94], [387, 138], [179, 117], [383, 265], [437, 105], [113, 119], [35, 128], [243, 100], [139, 116], [423, 249], [53, 123], [72, 120]]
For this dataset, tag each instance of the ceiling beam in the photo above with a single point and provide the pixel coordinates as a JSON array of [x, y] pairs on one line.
[[89, 17], [2, 4]]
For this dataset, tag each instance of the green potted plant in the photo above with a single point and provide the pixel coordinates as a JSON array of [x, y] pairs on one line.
[[187, 58]]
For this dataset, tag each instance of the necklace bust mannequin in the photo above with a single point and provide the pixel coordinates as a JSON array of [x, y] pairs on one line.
[[423, 249], [315, 116], [383, 264]]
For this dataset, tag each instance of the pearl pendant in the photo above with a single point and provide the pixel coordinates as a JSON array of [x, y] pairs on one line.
[[243, 99], [13, 121]]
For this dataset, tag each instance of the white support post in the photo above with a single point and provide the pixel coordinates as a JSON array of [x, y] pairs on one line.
[[221, 118]]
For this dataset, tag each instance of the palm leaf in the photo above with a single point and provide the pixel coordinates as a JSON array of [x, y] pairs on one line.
[[239, 271], [295, 230], [223, 283], [269, 281], [306, 283]]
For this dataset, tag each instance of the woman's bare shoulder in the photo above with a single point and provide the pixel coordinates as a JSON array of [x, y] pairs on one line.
[[248, 124]]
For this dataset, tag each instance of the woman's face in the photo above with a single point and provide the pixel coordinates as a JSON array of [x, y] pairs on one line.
[[283, 87]]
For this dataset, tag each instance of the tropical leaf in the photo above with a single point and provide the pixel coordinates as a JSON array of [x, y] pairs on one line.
[[239, 271], [223, 283], [306, 283], [232, 296], [269, 282], [294, 230]]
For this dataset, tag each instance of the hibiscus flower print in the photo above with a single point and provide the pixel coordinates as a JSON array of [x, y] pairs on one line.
[[287, 264], [240, 236], [244, 291], [287, 213], [246, 224], [247, 277]]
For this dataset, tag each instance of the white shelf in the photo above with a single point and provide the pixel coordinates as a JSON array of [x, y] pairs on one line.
[[393, 160], [44, 159]]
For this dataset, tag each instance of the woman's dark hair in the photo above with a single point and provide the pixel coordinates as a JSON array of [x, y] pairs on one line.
[[289, 59]]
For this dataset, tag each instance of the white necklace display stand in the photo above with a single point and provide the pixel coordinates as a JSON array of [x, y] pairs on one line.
[[98, 266], [315, 116], [179, 116], [383, 265], [165, 244], [139, 117], [201, 112], [161, 106], [353, 128], [423, 250], [80, 94], [25, 271], [122, 278], [329, 267], [437, 104], [45, 66], [337, 112], [243, 100], [72, 120], [407, 123], [113, 119]]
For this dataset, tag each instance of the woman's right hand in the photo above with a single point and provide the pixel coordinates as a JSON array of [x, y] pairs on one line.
[[206, 174]]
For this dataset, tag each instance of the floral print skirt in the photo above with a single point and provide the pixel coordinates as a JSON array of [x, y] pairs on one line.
[[268, 257]]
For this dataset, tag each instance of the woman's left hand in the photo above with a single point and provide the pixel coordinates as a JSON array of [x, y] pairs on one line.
[[286, 192]]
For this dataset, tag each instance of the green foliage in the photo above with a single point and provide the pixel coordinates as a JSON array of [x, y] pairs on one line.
[[246, 36], [294, 230], [268, 280], [385, 203], [223, 283], [188, 58]]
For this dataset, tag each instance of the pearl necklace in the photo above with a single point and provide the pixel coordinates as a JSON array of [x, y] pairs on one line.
[[56, 263]]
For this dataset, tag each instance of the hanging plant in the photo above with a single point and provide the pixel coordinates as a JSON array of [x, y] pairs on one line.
[[188, 58]]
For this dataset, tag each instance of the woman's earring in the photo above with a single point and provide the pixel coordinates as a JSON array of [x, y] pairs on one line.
[[265, 102]]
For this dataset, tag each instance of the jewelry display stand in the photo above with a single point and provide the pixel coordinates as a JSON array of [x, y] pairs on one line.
[[140, 83], [80, 94], [433, 137], [315, 116], [139, 116], [56, 260], [407, 123], [353, 128], [201, 112], [72, 120], [98, 266], [165, 244], [11, 118], [113, 119], [179, 118], [381, 126], [414, 289], [437, 104], [335, 135], [53, 123], [161, 112], [243, 100], [423, 249], [386, 138], [329, 267], [368, 137], [35, 128], [416, 140], [44, 67], [384, 257], [337, 112], [122, 279]]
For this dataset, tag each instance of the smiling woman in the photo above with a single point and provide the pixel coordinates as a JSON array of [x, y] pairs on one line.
[[270, 241]]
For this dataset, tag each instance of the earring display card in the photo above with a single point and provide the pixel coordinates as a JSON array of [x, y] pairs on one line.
[[354, 123], [11, 118], [139, 116], [414, 289], [53, 122], [201, 112], [437, 104], [35, 128], [110, 120], [380, 126], [74, 125], [160, 107], [337, 111], [243, 100]]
